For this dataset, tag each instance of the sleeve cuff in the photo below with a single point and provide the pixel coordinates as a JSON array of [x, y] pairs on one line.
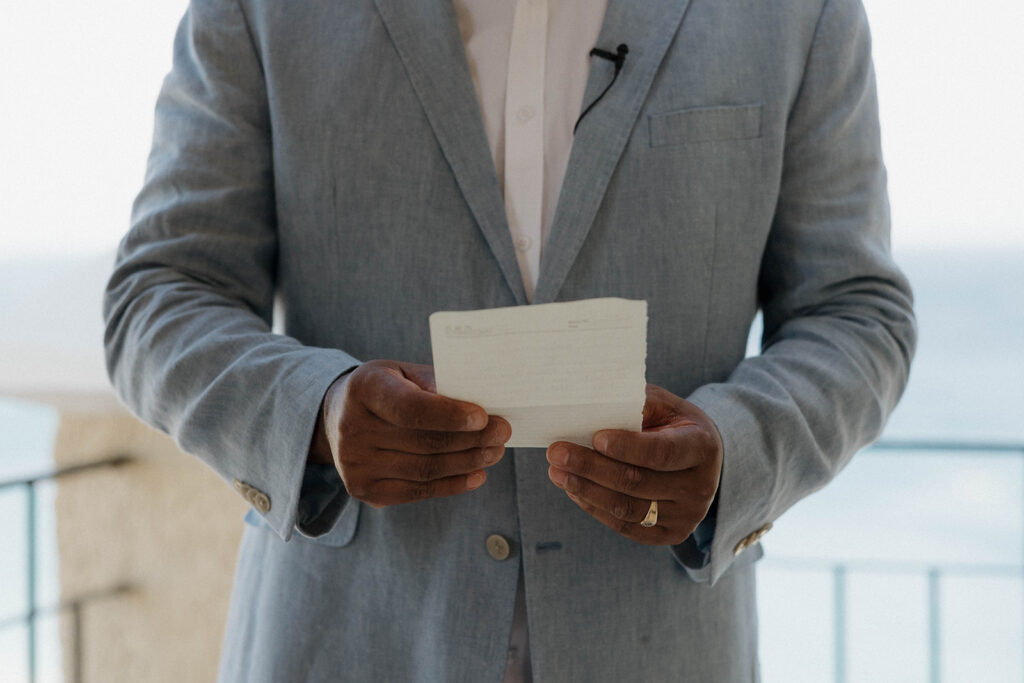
[[321, 500], [694, 554]]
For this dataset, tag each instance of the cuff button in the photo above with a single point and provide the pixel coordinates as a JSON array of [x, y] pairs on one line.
[[253, 496]]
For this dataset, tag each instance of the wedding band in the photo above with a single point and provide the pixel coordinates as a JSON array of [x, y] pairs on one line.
[[652, 515]]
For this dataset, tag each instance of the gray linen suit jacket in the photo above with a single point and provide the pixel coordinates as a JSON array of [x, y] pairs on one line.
[[330, 155]]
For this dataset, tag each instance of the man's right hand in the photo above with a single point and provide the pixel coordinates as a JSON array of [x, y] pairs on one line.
[[394, 439]]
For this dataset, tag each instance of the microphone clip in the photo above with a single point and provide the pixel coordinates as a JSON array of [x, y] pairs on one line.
[[618, 58]]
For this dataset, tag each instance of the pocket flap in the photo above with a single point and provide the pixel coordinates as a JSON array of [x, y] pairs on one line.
[[706, 124]]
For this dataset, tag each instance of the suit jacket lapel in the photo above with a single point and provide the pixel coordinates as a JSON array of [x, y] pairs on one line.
[[647, 27], [426, 36]]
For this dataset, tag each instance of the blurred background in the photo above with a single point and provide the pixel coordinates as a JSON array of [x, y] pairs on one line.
[[117, 552]]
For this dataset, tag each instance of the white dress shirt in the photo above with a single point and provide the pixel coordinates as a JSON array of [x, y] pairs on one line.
[[529, 61]]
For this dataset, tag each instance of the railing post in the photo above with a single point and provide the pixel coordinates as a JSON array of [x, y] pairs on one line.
[[30, 579], [76, 642], [839, 620], [934, 627]]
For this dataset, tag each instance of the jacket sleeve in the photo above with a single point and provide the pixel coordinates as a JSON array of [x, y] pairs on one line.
[[188, 308], [839, 331]]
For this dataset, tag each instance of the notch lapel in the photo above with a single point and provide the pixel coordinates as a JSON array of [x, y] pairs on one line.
[[648, 28], [426, 36]]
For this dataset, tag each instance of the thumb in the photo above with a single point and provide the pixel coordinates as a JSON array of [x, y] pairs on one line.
[[420, 375]]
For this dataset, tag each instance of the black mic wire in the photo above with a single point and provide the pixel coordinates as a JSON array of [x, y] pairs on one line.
[[619, 58]]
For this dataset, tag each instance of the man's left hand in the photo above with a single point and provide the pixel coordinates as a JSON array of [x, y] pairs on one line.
[[676, 460]]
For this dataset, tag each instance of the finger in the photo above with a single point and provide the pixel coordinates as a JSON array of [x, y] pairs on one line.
[[420, 375], [612, 474], [678, 447], [398, 465], [422, 441], [660, 406], [625, 508], [398, 400], [655, 535], [398, 491]]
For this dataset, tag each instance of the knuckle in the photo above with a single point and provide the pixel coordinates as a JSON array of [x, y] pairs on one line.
[[351, 432], [436, 441], [623, 509], [420, 490], [427, 469], [363, 385], [629, 478]]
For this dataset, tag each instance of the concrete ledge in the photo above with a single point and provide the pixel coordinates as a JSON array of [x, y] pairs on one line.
[[165, 523]]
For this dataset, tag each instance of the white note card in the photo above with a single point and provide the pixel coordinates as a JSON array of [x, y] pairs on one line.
[[556, 372]]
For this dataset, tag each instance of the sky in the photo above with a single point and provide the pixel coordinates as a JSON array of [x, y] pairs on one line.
[[74, 139]]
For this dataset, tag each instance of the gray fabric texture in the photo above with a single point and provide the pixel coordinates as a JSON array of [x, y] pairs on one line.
[[332, 155]]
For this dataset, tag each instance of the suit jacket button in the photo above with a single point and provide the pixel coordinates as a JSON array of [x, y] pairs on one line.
[[497, 547]]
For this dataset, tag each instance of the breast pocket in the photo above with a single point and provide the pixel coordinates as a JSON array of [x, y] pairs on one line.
[[705, 124]]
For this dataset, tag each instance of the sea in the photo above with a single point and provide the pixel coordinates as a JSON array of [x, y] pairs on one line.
[[908, 567]]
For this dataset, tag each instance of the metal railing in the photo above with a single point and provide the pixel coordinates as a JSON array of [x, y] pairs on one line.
[[933, 572], [840, 570], [74, 605]]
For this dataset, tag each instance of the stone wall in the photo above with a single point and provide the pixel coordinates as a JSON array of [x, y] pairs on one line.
[[166, 525]]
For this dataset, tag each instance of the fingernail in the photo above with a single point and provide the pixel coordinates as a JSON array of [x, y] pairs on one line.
[[475, 480], [601, 442], [559, 456], [503, 433], [493, 455], [476, 421], [558, 476]]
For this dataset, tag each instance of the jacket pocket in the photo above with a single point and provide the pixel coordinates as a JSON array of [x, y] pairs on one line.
[[705, 124]]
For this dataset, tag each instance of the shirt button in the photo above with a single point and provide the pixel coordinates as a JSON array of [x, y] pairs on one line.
[[497, 547], [525, 113], [523, 243]]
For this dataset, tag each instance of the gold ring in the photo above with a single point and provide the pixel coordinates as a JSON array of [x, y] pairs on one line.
[[652, 515]]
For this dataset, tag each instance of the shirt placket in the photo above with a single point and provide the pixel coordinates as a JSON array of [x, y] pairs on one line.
[[524, 136]]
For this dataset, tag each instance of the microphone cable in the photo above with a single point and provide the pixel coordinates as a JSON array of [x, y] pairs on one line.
[[618, 58]]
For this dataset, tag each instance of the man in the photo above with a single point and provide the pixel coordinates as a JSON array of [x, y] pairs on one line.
[[369, 163]]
